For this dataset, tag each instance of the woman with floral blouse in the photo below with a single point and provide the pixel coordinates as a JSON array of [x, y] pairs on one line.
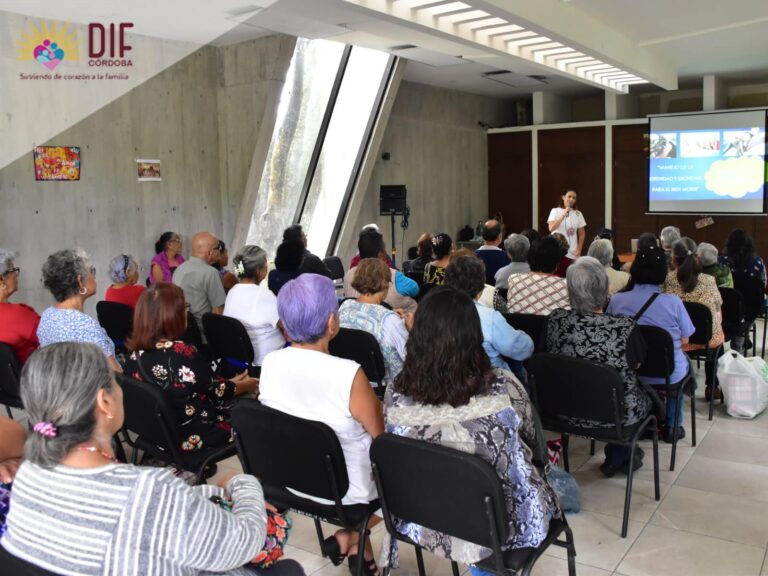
[[199, 399]]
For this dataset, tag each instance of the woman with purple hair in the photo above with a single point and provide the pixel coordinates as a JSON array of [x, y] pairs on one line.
[[304, 380]]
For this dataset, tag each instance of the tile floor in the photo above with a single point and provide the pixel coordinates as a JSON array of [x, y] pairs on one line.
[[712, 518]]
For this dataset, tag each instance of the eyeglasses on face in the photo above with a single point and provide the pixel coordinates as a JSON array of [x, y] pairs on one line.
[[15, 270]]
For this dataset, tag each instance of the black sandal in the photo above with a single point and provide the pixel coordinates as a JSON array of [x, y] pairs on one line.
[[332, 550], [369, 568]]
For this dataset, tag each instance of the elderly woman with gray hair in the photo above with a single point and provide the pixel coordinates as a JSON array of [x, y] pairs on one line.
[[254, 305], [119, 518], [585, 332], [602, 250], [708, 256], [517, 247], [18, 322], [71, 279], [124, 272]]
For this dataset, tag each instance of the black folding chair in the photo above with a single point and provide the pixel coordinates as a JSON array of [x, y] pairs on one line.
[[753, 293], [336, 268], [454, 493], [288, 452], [148, 415], [9, 379], [192, 335], [17, 567], [532, 324], [701, 318], [363, 348], [500, 299], [117, 321], [660, 363], [567, 391], [228, 341]]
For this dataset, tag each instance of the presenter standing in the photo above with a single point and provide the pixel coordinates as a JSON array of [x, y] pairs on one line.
[[570, 223]]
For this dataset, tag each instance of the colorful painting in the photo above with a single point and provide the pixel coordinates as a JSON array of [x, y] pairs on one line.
[[148, 170], [57, 162]]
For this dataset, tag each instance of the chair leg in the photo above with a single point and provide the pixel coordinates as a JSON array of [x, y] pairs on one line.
[[419, 561], [710, 385], [363, 531], [628, 494], [754, 338], [565, 438], [678, 399], [320, 536], [592, 447], [571, 551], [765, 327], [8, 409], [455, 569], [656, 490], [693, 419]]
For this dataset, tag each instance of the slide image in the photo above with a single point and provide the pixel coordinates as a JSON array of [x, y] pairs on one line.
[[699, 144], [664, 145], [740, 143]]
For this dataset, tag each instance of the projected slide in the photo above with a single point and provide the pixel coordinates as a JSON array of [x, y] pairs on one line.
[[707, 164]]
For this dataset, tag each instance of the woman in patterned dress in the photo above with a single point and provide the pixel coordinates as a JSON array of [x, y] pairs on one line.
[[199, 399], [449, 394]]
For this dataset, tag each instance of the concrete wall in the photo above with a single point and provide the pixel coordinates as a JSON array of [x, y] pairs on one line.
[[439, 151], [199, 117]]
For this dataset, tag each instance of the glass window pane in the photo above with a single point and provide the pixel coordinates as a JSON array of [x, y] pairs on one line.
[[348, 131], [303, 103]]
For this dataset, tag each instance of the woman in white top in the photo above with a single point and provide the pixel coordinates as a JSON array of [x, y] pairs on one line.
[[569, 222], [255, 306], [76, 510], [304, 380]]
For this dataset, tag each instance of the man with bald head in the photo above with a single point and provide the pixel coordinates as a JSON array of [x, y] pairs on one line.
[[490, 253], [200, 281]]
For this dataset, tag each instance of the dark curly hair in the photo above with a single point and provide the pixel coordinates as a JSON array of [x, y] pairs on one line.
[[466, 274], [445, 361], [740, 249], [544, 255]]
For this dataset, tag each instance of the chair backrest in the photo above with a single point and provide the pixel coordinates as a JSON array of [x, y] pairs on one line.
[[9, 371], [335, 266], [419, 482], [733, 311], [659, 353], [148, 414], [14, 565], [563, 387], [116, 319], [532, 324], [752, 291], [289, 452], [228, 339], [192, 334], [363, 348], [702, 322]]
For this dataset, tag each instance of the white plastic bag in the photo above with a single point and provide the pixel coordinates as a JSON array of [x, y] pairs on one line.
[[744, 382]]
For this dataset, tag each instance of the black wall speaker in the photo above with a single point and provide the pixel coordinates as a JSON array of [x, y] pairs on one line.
[[392, 199]]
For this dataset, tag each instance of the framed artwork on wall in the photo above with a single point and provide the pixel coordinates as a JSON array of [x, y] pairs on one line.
[[57, 162]]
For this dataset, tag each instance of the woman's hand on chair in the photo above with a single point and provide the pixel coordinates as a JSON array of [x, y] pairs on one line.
[[245, 384]]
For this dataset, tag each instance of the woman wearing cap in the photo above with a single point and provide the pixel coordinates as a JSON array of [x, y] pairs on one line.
[[647, 274]]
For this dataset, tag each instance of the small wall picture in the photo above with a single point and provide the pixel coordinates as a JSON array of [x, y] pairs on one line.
[[57, 162], [148, 170]]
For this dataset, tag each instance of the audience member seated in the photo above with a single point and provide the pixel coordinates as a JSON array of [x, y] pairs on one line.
[[565, 261], [707, 254], [538, 291], [434, 272], [372, 281], [124, 273], [288, 259], [585, 332], [18, 322], [414, 268], [668, 236], [254, 305], [71, 279], [402, 290], [304, 380], [202, 286], [601, 250], [490, 253], [449, 394], [227, 278], [607, 234], [517, 247], [645, 240], [467, 275], [487, 297], [167, 258], [199, 399], [309, 263], [741, 258], [530, 233], [368, 228], [688, 283], [12, 436], [145, 521], [648, 272]]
